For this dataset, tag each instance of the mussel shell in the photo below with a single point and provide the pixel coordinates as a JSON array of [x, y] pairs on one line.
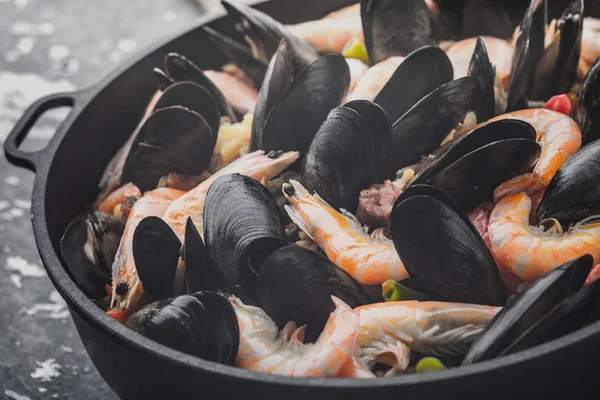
[[156, 250], [295, 119], [423, 71], [586, 111], [237, 211], [181, 69], [421, 130], [237, 54], [573, 193], [556, 71], [481, 68], [200, 273], [107, 231], [296, 284], [473, 178], [195, 98], [279, 75], [489, 18], [395, 27], [172, 139], [442, 251], [163, 80], [488, 133], [528, 308]]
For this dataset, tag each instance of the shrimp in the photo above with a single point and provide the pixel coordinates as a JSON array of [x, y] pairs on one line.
[[558, 135], [262, 349], [370, 260], [358, 69], [388, 331], [590, 45], [117, 197], [154, 203], [257, 165], [499, 51], [529, 251], [374, 79], [330, 35], [239, 94]]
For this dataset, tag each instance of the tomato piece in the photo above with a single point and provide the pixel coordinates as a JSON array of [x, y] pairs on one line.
[[594, 274], [559, 103]]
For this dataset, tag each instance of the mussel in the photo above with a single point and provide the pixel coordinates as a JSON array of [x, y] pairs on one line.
[[202, 324], [442, 251], [535, 304], [586, 111], [200, 272], [296, 284], [481, 68]]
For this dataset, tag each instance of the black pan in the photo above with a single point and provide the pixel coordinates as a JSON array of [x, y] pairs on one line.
[[67, 172]]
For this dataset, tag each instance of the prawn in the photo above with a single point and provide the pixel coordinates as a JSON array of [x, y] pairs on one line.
[[330, 35], [118, 196], [530, 251], [263, 349], [374, 79], [558, 135], [358, 69], [257, 165], [154, 203], [389, 331], [370, 260], [590, 45], [240, 95]]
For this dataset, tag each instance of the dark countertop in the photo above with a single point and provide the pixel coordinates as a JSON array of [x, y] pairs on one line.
[[48, 46]]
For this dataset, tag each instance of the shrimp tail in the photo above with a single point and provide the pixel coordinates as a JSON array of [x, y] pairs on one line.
[[396, 355], [528, 183], [355, 368]]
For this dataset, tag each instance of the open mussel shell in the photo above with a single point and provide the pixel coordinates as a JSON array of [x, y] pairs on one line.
[[156, 250], [395, 27], [346, 135], [172, 139], [421, 130], [181, 69], [481, 68], [238, 210], [557, 69], [203, 325], [296, 284], [573, 193], [528, 308], [423, 71], [442, 251], [88, 246], [293, 122], [238, 55], [586, 111], [200, 273]]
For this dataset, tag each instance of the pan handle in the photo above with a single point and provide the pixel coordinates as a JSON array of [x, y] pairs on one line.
[[29, 159]]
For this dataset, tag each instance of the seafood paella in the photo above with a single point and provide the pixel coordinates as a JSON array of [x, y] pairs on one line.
[[398, 187]]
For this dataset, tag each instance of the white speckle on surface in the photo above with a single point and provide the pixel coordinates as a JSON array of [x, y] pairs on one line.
[[23, 267], [25, 45], [126, 45], [86, 369], [21, 28], [58, 52], [46, 370], [45, 28], [18, 343], [55, 396], [114, 56], [42, 390], [14, 395], [69, 66], [12, 180], [66, 349], [16, 280], [26, 204], [4, 204], [57, 309], [170, 16]]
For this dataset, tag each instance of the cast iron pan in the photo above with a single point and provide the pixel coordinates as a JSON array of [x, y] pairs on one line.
[[68, 170]]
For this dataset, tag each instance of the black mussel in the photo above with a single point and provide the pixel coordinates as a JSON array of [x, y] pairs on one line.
[[586, 111], [195, 98], [200, 273], [238, 210], [442, 251], [264, 34], [238, 55], [172, 139], [528, 308], [486, 134], [347, 153], [556, 70], [296, 284], [297, 115], [156, 250], [423, 128], [162, 79], [481, 68], [88, 246], [279, 75], [423, 71], [181, 69], [573, 193], [203, 324], [395, 27]]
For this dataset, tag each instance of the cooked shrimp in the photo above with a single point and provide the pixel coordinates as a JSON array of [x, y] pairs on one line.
[[530, 251], [355, 367], [117, 197], [370, 260], [590, 45], [349, 11], [374, 79], [257, 165], [153, 203], [330, 35], [238, 93], [262, 349], [357, 71], [558, 135], [388, 331]]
